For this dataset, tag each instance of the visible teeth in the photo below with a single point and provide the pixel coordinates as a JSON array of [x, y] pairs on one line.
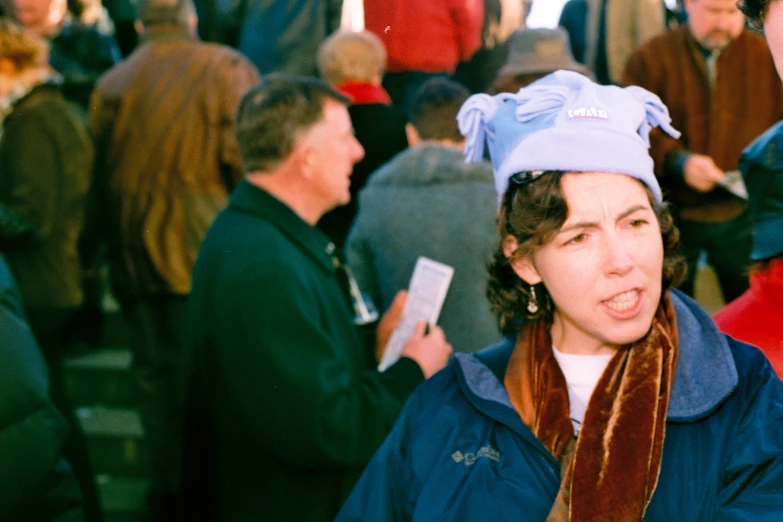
[[623, 301]]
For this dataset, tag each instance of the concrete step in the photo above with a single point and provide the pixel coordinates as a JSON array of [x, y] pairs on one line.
[[124, 498], [101, 378], [115, 438]]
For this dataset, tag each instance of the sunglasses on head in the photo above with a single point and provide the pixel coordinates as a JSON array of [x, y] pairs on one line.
[[523, 178]]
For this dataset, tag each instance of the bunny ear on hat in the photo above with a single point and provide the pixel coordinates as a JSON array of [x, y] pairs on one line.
[[536, 100], [479, 109], [472, 118], [657, 114], [566, 122]]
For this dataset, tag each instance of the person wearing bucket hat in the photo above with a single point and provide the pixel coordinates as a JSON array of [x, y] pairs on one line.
[[754, 317], [612, 397], [532, 54]]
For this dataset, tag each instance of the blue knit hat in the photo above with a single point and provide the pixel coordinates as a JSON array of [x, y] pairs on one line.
[[566, 122]]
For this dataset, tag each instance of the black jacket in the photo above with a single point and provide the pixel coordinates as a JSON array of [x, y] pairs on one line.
[[36, 484]]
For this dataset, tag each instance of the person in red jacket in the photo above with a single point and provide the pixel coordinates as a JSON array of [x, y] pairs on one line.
[[423, 39], [754, 317]]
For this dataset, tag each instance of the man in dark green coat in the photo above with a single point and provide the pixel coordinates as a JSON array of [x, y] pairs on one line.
[[285, 403], [36, 483]]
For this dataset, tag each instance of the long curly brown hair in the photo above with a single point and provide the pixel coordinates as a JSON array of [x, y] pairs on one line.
[[533, 213]]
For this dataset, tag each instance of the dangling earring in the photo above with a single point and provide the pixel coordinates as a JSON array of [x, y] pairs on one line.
[[532, 302]]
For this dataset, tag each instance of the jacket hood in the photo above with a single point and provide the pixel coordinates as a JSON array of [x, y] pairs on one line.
[[705, 376], [423, 165]]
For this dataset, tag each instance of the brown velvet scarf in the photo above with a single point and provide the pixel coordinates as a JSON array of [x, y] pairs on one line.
[[610, 472]]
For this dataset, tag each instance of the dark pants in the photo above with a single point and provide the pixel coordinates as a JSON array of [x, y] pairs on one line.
[[727, 246], [47, 326], [402, 86], [156, 326]]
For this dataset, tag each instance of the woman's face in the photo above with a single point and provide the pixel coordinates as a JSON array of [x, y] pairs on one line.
[[603, 269]]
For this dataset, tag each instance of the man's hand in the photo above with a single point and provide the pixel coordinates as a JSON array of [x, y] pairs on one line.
[[701, 173], [389, 322], [430, 351]]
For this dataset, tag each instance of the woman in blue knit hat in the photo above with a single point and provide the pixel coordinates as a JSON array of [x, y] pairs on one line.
[[613, 397]]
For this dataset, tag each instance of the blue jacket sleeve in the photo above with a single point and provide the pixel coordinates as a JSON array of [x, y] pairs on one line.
[[752, 486], [382, 493]]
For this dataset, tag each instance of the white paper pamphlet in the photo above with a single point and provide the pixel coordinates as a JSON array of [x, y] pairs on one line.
[[734, 183], [426, 292]]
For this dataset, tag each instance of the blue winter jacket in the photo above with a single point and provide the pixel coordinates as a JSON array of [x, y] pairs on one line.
[[460, 452]]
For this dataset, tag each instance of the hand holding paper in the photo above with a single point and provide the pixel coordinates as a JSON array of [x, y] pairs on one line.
[[388, 323], [429, 350], [426, 293]]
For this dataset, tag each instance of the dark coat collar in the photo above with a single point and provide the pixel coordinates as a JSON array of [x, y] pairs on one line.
[[706, 374], [251, 199], [166, 32]]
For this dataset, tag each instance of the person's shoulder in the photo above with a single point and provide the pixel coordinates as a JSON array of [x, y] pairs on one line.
[[759, 388], [435, 396], [369, 112], [752, 365], [662, 46], [224, 54], [453, 404], [77, 30], [392, 172], [250, 256], [738, 311], [235, 228], [22, 368], [753, 39], [34, 112], [114, 77]]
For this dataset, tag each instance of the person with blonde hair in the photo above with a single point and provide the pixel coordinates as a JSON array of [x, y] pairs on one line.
[[354, 62], [351, 56], [21, 47], [80, 53], [45, 162]]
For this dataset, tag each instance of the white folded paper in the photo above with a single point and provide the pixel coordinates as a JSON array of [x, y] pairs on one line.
[[734, 183], [426, 292]]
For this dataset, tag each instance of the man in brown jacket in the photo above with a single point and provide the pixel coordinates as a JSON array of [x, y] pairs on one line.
[[720, 85], [166, 160]]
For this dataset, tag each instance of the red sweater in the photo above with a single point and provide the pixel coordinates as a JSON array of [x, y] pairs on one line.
[[426, 35], [756, 317]]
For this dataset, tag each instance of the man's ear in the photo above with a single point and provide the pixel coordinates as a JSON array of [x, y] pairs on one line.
[[412, 134], [523, 266], [306, 157]]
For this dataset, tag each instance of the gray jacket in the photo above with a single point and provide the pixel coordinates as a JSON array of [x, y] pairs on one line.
[[428, 202]]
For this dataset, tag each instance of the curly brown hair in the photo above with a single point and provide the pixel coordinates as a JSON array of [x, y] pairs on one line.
[[21, 46], [755, 10], [533, 213]]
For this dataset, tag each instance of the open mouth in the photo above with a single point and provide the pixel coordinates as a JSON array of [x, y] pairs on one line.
[[624, 302]]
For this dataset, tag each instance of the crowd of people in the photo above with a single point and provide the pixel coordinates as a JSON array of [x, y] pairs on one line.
[[259, 185]]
